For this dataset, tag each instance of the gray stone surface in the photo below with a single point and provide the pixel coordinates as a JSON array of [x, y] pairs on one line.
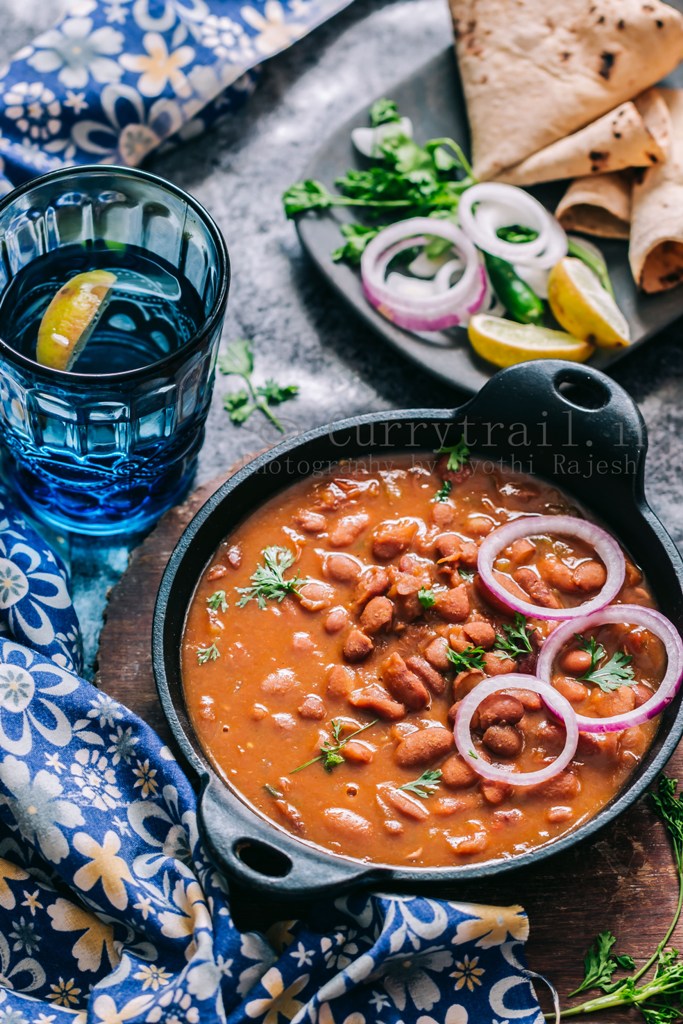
[[302, 333]]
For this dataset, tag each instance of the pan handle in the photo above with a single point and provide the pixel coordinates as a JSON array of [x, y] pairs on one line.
[[260, 857], [572, 418]]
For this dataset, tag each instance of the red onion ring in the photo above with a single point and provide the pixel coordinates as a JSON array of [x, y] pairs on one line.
[[637, 615], [450, 305], [529, 526], [559, 706]]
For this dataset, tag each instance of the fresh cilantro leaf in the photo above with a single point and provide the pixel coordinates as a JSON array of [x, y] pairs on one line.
[[307, 195], [275, 393], [515, 639], [272, 791], [238, 406], [357, 238], [443, 491], [471, 658], [458, 455], [599, 964], [205, 654], [383, 112], [331, 752], [612, 674], [217, 601], [465, 575], [426, 597], [268, 582], [426, 785], [238, 358]]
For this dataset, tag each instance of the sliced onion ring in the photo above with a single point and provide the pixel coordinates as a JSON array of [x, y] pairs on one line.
[[553, 700], [499, 205], [450, 305], [636, 615], [566, 526]]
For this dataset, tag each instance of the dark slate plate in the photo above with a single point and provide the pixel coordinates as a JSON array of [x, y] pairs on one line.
[[433, 98]]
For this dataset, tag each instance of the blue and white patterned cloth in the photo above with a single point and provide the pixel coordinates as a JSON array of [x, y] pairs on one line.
[[111, 912], [116, 78]]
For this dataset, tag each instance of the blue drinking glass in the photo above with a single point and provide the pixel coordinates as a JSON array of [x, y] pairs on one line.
[[107, 447]]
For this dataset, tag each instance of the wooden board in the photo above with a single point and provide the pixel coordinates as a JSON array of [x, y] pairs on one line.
[[624, 880]]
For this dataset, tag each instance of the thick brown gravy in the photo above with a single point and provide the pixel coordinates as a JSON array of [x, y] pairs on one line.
[[267, 687]]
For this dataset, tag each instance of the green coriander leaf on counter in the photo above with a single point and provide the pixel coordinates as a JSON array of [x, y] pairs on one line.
[[217, 601], [465, 575], [600, 964], [443, 491], [613, 674], [383, 112], [471, 658], [205, 654], [331, 752], [659, 999], [515, 639], [238, 361], [276, 394], [458, 455], [426, 597], [268, 582], [426, 785]]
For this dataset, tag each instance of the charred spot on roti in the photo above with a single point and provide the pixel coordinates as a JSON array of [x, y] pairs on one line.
[[659, 23], [601, 19], [564, 56], [621, 24], [617, 135], [607, 60], [652, 157]]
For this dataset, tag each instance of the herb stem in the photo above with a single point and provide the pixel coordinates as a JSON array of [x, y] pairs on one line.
[[334, 750], [261, 404]]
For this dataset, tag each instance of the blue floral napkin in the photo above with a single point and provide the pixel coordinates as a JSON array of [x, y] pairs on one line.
[[116, 78], [110, 910]]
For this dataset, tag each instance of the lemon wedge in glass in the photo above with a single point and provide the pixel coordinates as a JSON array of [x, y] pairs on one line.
[[70, 318], [505, 342], [584, 307]]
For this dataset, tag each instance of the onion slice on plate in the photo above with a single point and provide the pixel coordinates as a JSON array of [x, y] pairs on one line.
[[565, 526], [635, 615], [497, 206], [553, 700], [450, 304]]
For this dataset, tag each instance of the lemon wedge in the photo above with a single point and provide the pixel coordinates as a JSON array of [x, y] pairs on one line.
[[583, 307], [70, 318], [505, 343]]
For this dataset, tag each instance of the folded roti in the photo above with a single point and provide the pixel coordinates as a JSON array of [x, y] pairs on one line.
[[628, 136], [598, 205], [656, 249], [534, 71]]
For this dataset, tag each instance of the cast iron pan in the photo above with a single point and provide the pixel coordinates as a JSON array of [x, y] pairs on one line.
[[568, 424]]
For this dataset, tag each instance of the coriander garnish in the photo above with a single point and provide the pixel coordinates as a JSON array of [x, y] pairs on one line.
[[205, 654], [443, 491], [426, 785], [268, 582], [467, 576], [515, 639], [458, 455], [614, 674], [272, 791], [216, 602], [471, 658], [238, 361], [426, 597], [331, 753], [659, 1000]]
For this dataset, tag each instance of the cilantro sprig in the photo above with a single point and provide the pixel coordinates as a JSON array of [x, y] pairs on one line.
[[444, 491], [458, 455], [217, 601], [660, 998], [608, 675], [426, 785], [238, 361], [426, 597], [515, 640], [268, 582], [331, 752], [471, 658], [405, 180], [210, 653]]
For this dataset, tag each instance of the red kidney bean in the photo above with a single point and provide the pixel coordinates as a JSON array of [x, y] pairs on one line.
[[429, 676], [392, 538], [453, 605], [539, 592], [348, 529], [424, 747], [377, 615], [403, 684], [357, 646], [375, 699]]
